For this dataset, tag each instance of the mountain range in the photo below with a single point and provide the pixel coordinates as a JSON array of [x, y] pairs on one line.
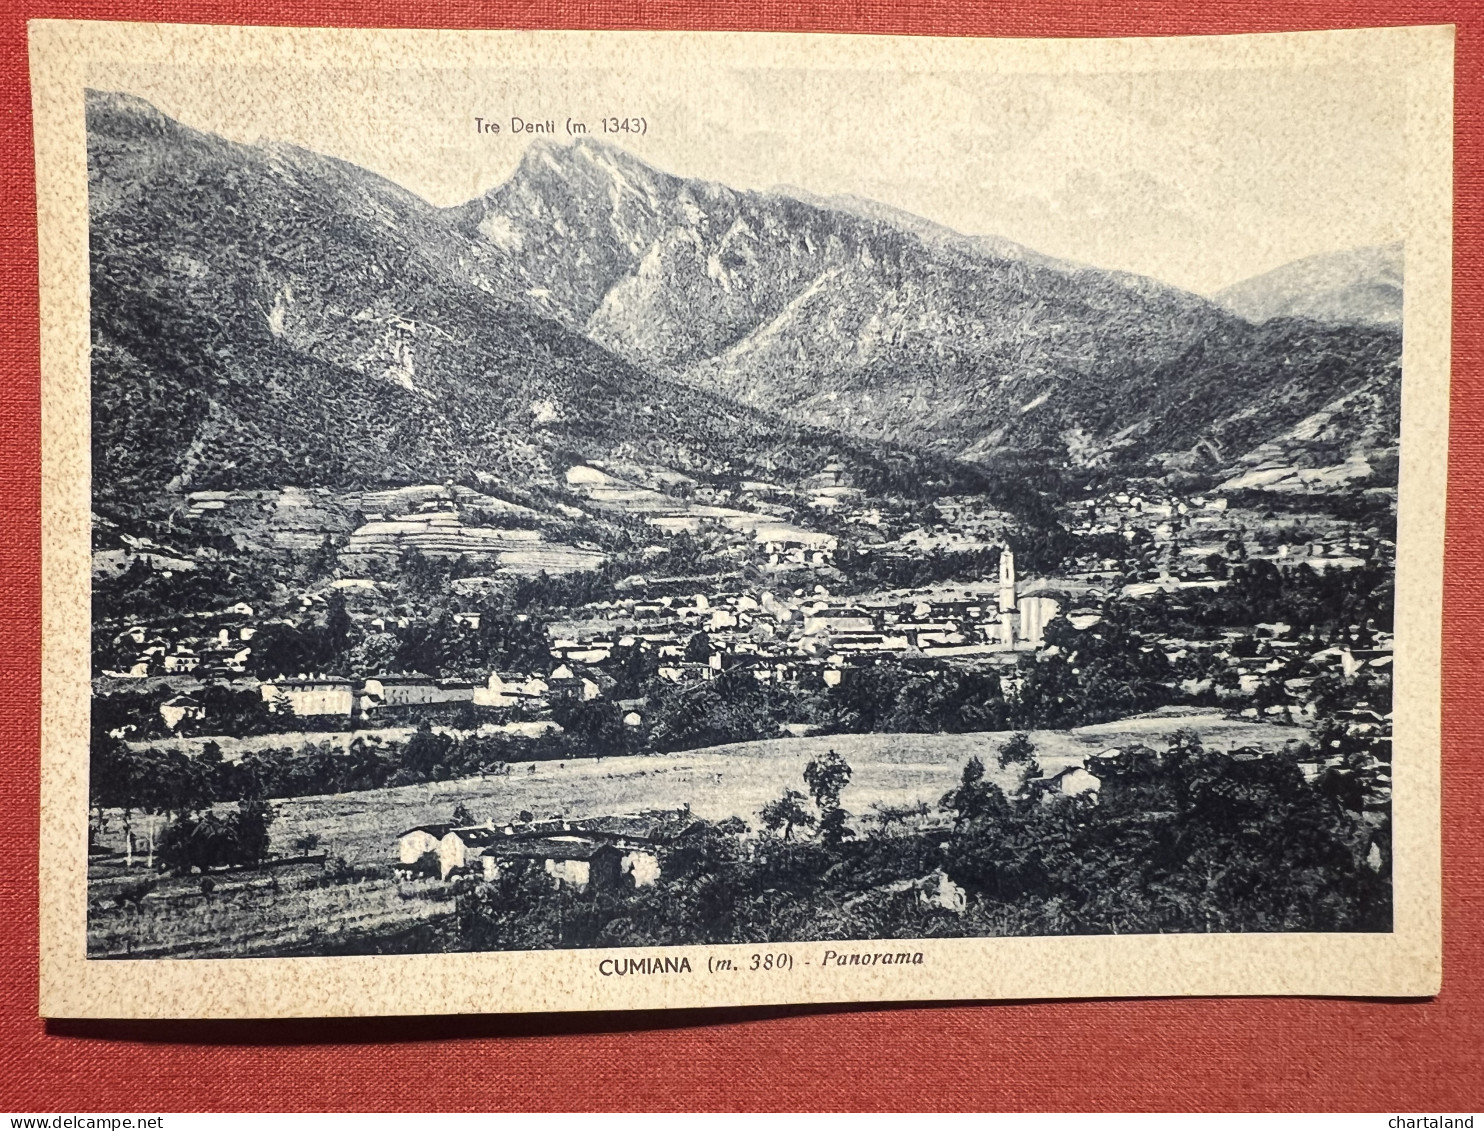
[[263, 314]]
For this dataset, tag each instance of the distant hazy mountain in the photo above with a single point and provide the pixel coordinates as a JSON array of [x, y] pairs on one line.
[[1359, 287], [852, 316], [263, 315]]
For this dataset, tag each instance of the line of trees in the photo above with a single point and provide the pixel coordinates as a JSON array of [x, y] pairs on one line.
[[1322, 606], [149, 785], [174, 797]]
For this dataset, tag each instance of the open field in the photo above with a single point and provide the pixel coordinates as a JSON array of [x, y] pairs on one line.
[[274, 910], [722, 781], [610, 493]]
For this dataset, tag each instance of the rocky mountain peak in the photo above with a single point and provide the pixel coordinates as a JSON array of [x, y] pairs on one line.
[[836, 315]]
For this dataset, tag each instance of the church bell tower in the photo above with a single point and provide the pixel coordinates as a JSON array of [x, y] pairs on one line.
[[1007, 581], [1009, 613]]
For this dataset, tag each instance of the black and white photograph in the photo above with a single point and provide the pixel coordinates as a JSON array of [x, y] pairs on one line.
[[543, 510]]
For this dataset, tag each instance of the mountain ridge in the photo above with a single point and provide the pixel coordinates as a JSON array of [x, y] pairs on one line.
[[265, 315], [855, 317], [594, 305]]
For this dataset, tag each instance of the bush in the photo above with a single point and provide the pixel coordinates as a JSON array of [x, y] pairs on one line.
[[198, 842]]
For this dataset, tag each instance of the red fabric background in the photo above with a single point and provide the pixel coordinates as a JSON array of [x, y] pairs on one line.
[[1252, 1054]]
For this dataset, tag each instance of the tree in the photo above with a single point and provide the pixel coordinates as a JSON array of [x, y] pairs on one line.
[[1020, 751], [632, 668], [698, 648], [594, 726], [339, 628], [169, 782], [974, 798], [506, 640], [462, 816], [1093, 675], [206, 840], [787, 813], [734, 707], [826, 777], [250, 831], [426, 755], [374, 653], [283, 649], [111, 785], [1183, 746], [321, 563], [1019, 756]]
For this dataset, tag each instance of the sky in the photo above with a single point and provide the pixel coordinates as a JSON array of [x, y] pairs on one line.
[[1200, 178]]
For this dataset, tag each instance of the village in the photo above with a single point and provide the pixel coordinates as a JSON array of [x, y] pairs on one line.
[[786, 615], [789, 608]]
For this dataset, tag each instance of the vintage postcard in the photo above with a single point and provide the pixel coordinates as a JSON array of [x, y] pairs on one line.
[[547, 521]]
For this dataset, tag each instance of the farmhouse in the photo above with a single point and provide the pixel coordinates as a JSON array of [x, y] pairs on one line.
[[173, 711], [576, 861], [649, 827], [417, 843], [571, 861], [590, 850], [458, 848]]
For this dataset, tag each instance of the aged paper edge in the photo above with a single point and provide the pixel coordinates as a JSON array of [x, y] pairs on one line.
[[1404, 963]]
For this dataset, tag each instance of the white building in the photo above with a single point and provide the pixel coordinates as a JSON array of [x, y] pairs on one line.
[[509, 689], [1035, 612], [311, 695], [174, 711]]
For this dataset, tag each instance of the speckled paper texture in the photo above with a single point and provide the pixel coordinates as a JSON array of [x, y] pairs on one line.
[[417, 83]]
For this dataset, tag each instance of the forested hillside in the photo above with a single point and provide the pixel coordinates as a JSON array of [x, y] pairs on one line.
[[262, 316]]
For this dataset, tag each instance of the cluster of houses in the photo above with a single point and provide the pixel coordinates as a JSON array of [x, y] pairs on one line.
[[594, 853], [222, 650], [323, 696], [791, 638], [1273, 657], [1185, 531], [590, 852], [780, 638], [362, 698]]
